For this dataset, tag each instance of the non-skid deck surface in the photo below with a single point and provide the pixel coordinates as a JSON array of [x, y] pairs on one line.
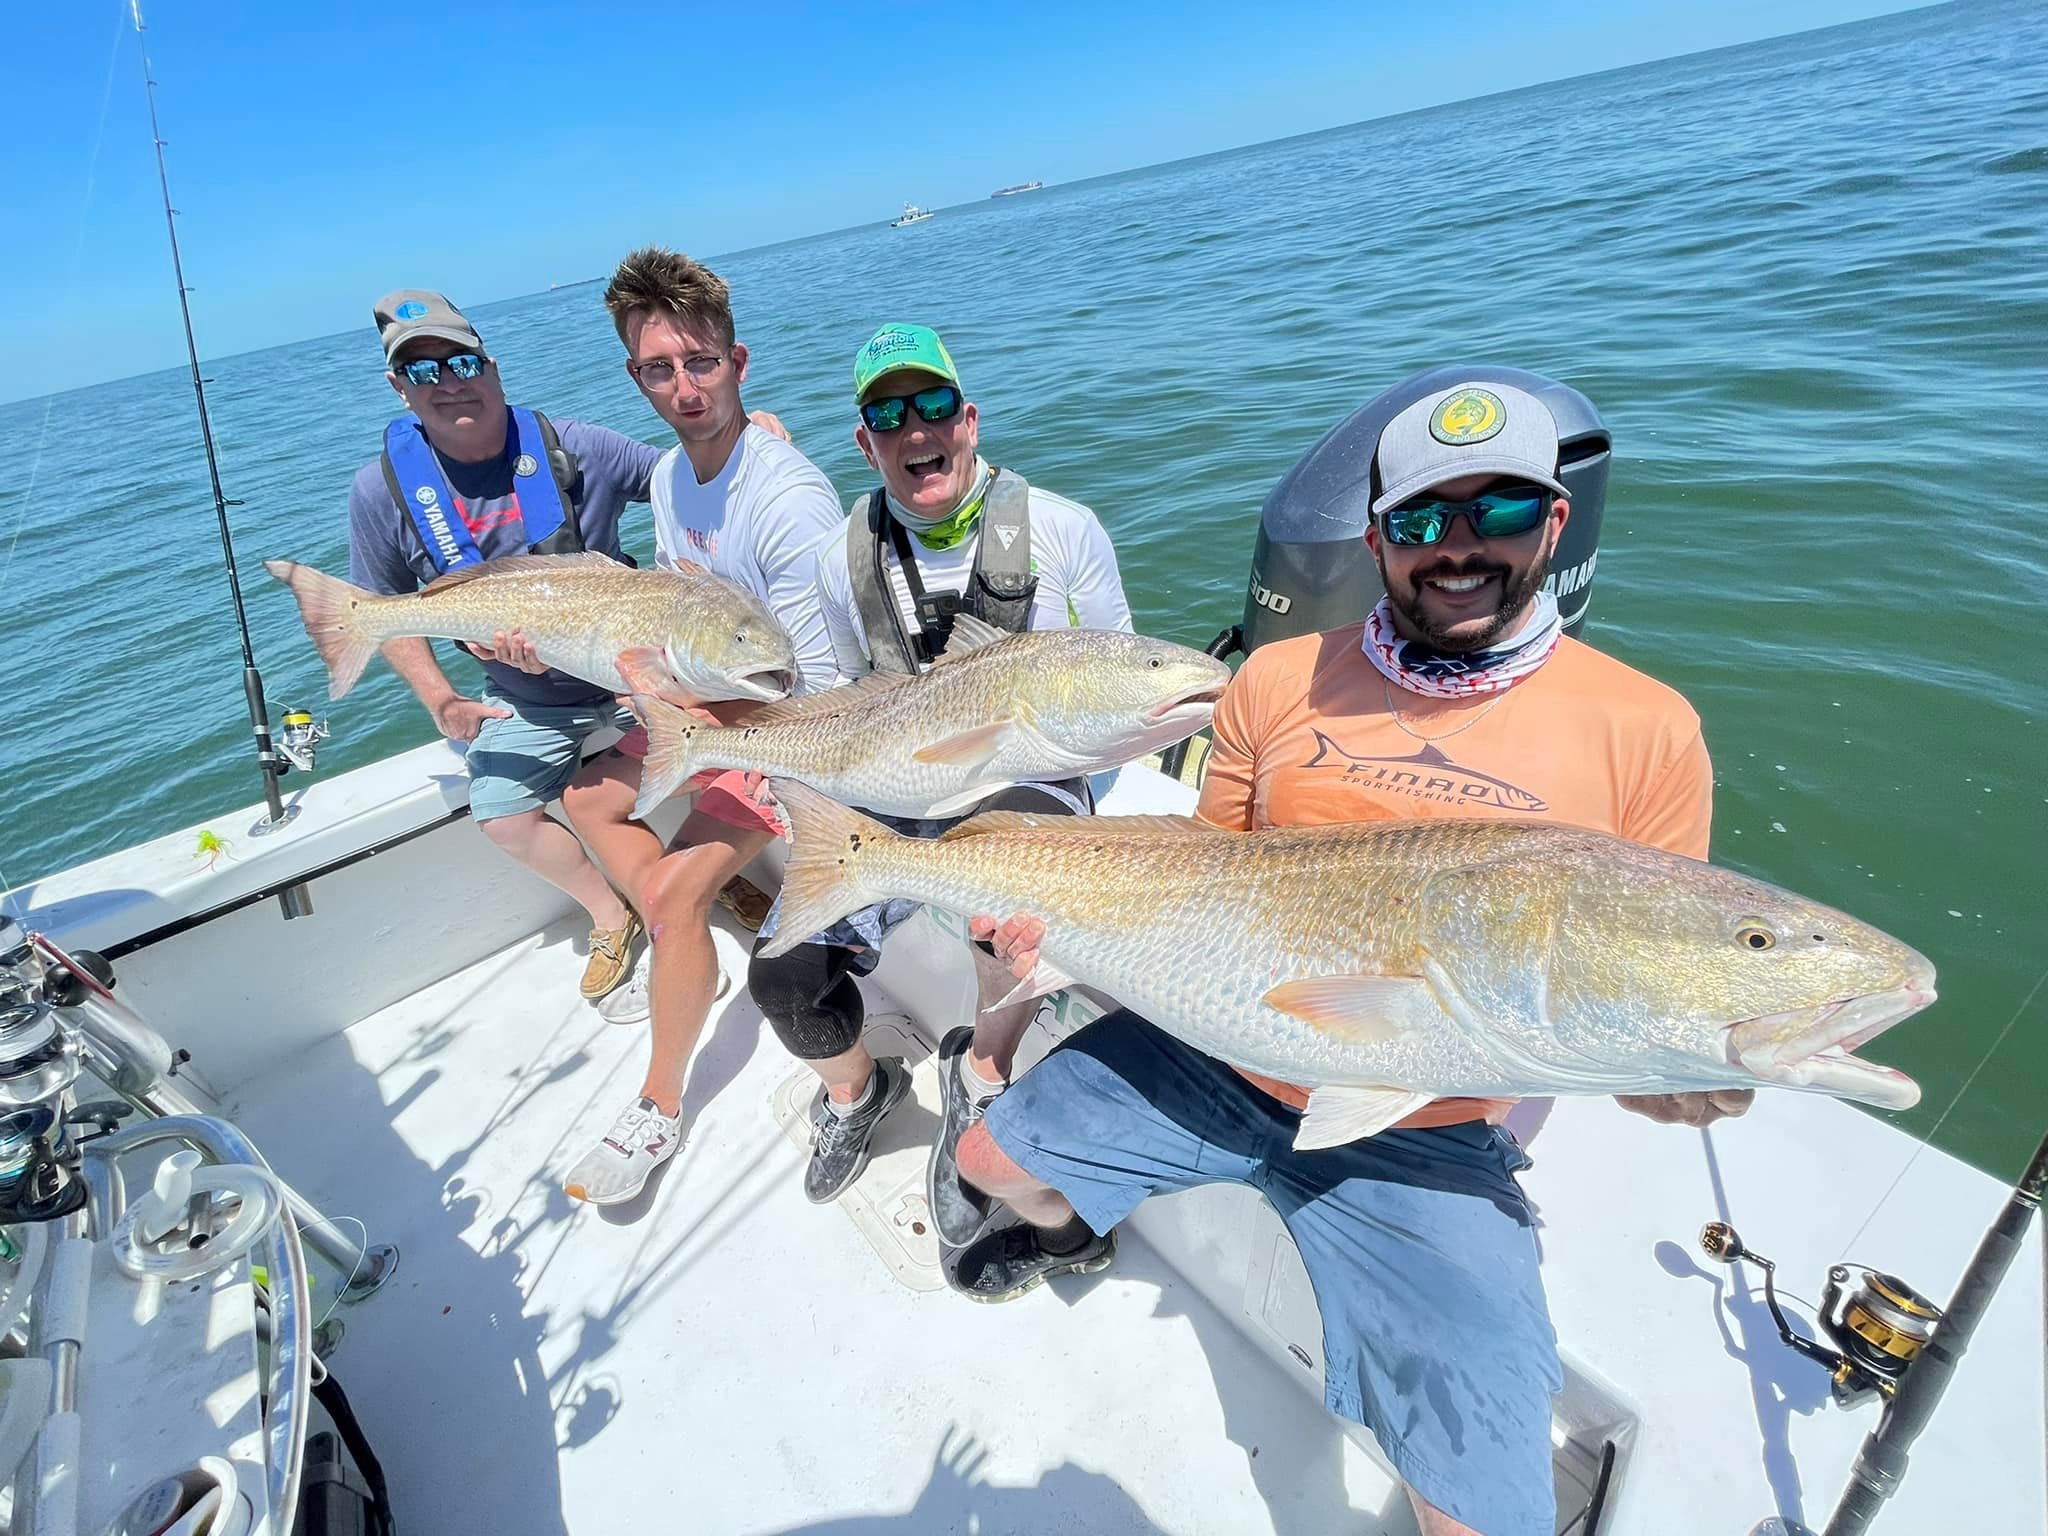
[[722, 1356]]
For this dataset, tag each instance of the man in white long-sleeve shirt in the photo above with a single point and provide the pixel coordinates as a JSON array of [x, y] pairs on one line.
[[943, 534], [747, 506]]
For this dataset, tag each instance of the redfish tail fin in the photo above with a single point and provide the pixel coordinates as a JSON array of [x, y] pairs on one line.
[[332, 611], [821, 880], [671, 743]]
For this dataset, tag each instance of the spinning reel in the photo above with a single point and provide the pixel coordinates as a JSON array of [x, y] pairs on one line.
[[298, 739], [1879, 1326], [39, 1179]]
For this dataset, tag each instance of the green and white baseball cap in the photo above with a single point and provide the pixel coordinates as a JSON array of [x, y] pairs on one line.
[[1468, 429], [897, 348]]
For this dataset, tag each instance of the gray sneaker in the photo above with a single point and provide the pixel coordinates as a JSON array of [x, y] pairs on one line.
[[958, 1208], [839, 1145]]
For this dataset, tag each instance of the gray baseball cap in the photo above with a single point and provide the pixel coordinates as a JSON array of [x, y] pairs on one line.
[[1468, 429], [411, 313]]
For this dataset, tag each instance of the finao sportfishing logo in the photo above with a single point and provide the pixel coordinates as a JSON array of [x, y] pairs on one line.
[[1468, 416], [1426, 775]]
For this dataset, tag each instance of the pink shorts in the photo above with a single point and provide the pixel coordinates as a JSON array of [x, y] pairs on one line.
[[721, 792]]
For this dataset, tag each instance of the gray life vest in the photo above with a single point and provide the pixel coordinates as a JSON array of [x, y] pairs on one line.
[[1000, 585]]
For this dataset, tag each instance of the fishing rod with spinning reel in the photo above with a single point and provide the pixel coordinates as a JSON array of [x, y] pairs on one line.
[[1891, 1343], [295, 748]]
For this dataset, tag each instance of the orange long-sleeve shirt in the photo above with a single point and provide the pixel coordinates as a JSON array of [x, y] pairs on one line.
[[1308, 732]]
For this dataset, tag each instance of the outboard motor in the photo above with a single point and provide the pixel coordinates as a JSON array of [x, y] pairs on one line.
[[1310, 568]]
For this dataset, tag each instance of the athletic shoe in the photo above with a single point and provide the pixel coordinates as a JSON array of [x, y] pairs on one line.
[[633, 1003], [611, 955], [958, 1208], [1002, 1265], [616, 1169], [839, 1145]]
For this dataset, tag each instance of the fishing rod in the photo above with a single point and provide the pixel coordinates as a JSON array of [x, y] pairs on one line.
[[1895, 1344], [293, 900]]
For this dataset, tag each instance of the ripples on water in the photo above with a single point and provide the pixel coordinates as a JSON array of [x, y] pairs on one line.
[[1802, 280]]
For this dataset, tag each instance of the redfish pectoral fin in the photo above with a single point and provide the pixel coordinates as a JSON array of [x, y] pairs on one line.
[[646, 670], [1359, 1010], [1044, 980], [969, 749]]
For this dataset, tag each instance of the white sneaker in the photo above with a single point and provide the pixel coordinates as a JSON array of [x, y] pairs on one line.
[[630, 1003], [614, 1170]]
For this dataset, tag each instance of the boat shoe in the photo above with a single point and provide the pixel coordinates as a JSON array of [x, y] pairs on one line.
[[611, 956], [746, 901]]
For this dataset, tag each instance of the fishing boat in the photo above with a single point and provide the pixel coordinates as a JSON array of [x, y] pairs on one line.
[[1022, 186], [284, 1246], [306, 1109], [912, 214]]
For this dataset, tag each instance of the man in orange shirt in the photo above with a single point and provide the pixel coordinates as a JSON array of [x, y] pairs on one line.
[[1458, 696]]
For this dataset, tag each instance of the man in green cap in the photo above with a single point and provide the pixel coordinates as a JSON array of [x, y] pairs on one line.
[[943, 534]]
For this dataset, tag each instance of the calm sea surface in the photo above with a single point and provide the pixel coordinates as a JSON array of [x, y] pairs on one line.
[[1804, 281]]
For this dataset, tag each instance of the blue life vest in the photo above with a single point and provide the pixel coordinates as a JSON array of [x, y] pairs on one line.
[[542, 474]]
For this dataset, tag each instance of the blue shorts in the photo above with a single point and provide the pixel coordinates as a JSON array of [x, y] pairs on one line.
[[527, 758], [1419, 1244]]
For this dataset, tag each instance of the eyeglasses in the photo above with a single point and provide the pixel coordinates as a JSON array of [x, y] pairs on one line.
[[425, 372], [939, 403], [659, 372], [1498, 514]]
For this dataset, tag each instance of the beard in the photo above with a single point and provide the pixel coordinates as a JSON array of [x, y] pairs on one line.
[[1518, 591]]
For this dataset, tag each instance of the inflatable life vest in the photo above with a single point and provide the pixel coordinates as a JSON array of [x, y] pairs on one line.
[[1000, 585], [543, 474]]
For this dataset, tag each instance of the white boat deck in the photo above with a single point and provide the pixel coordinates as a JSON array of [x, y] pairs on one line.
[[722, 1356]]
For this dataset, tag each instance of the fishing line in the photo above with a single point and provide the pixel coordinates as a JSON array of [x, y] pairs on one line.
[[362, 1249], [1928, 1140], [35, 462]]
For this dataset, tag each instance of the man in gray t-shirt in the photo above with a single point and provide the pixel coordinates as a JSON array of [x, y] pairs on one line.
[[526, 732]]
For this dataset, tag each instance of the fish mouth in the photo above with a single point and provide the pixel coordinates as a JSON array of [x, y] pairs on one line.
[[1813, 1048], [1199, 703], [1190, 705], [766, 684]]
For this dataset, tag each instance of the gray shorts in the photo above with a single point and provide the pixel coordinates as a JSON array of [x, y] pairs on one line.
[[524, 760]]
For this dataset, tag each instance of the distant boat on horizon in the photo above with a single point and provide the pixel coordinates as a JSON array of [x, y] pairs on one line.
[[912, 214], [1022, 186]]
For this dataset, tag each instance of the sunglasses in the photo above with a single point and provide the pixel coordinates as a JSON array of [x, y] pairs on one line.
[[425, 372], [1499, 514], [939, 403], [658, 372]]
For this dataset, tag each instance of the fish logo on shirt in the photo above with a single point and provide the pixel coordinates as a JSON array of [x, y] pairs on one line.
[[1427, 775]]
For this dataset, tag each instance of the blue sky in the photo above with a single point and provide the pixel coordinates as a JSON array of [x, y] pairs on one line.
[[321, 154]]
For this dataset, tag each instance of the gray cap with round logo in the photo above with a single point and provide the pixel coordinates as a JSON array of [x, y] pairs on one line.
[[411, 313], [1468, 429]]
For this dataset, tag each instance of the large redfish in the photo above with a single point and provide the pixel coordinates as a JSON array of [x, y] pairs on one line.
[[1384, 964], [995, 710], [683, 632]]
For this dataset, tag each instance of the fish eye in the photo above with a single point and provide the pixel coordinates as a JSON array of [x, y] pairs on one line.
[[1154, 663], [741, 637], [1756, 936]]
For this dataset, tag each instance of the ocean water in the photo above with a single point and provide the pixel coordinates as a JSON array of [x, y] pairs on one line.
[[1802, 280]]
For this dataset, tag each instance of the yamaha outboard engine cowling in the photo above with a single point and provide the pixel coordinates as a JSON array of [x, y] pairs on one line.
[[1310, 568]]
